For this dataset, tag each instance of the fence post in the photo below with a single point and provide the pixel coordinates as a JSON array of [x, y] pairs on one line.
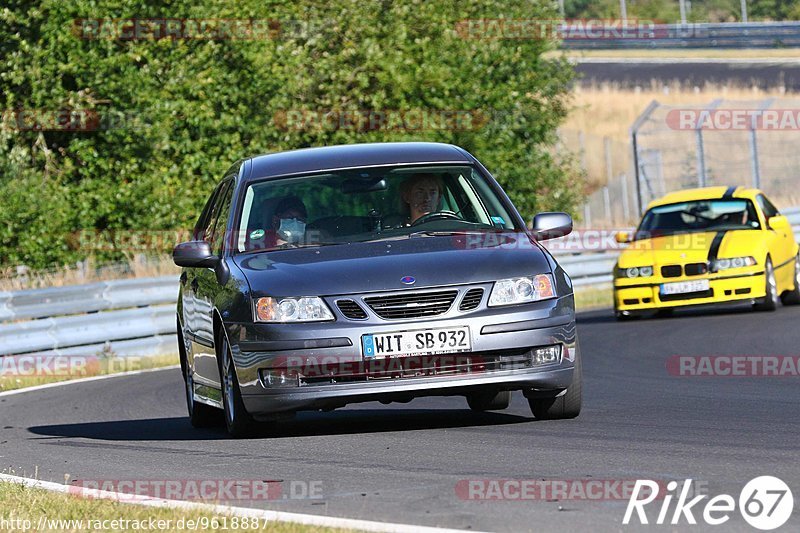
[[634, 144], [702, 176], [701, 159], [755, 165], [607, 204], [626, 210]]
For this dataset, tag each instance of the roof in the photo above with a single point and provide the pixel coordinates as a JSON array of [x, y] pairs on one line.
[[354, 155], [704, 193]]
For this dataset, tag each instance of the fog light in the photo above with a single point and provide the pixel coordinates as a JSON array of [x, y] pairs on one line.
[[546, 354], [278, 378]]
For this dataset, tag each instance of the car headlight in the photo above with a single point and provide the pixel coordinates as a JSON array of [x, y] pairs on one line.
[[635, 272], [734, 262], [305, 309], [524, 289]]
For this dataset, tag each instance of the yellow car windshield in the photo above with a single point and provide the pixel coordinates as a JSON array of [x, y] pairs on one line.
[[698, 216]]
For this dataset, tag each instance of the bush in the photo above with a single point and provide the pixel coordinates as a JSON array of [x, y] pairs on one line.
[[167, 116]]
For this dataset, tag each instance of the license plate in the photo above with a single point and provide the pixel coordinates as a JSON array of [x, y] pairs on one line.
[[682, 287], [417, 342]]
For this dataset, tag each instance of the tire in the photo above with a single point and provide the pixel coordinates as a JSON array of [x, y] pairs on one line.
[[792, 297], [568, 405], [200, 414], [237, 421], [770, 302], [489, 401]]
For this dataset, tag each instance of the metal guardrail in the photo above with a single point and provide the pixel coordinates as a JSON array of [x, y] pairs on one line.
[[137, 317], [124, 317], [641, 35]]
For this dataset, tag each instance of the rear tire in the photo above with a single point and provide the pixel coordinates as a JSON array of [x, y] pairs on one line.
[[770, 302], [237, 420], [568, 405], [489, 401], [792, 297]]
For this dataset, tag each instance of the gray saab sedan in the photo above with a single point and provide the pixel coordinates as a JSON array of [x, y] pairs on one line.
[[374, 272]]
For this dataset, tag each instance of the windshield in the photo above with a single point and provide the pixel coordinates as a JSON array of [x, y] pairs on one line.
[[698, 216], [368, 204]]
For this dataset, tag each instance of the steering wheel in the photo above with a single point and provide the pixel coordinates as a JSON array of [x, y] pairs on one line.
[[436, 215]]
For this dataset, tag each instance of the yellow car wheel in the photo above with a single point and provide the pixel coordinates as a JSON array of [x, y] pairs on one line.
[[770, 302], [792, 297]]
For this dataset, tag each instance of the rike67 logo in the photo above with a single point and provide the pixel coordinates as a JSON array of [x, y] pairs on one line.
[[765, 503]]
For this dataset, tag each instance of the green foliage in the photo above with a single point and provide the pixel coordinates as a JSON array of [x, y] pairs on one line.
[[187, 108]]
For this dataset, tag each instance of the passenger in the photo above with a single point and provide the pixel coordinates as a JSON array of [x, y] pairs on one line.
[[288, 225]]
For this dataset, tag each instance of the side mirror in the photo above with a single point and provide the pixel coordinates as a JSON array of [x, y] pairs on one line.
[[622, 237], [551, 225], [194, 254], [778, 222]]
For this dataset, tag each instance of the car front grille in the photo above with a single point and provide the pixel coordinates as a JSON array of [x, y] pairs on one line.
[[671, 271], [695, 269], [471, 300], [412, 304], [351, 309]]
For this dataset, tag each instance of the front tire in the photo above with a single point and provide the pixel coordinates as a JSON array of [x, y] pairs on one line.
[[568, 405], [792, 297], [770, 302], [237, 420], [200, 414], [489, 401]]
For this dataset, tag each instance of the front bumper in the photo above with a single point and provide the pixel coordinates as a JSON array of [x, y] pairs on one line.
[[502, 340], [630, 295]]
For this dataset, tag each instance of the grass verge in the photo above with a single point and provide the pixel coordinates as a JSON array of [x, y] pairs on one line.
[[18, 372], [44, 510], [593, 298]]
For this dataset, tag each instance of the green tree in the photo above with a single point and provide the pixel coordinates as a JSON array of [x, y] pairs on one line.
[[185, 109]]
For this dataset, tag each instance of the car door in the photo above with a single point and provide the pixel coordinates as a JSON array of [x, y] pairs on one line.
[[199, 328], [781, 243], [206, 288], [187, 279]]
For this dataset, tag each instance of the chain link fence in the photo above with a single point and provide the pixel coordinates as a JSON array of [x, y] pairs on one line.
[[753, 143]]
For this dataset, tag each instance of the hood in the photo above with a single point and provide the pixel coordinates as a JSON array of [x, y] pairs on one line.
[[684, 248], [378, 266]]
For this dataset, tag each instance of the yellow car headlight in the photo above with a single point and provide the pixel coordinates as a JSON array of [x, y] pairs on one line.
[[635, 272], [734, 262]]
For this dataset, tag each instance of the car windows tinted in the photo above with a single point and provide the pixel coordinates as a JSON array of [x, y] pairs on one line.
[[372, 203]]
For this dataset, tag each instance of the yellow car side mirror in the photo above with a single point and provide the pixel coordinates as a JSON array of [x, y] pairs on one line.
[[778, 222], [622, 237]]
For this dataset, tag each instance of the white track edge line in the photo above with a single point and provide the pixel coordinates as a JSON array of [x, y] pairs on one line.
[[84, 380], [276, 516]]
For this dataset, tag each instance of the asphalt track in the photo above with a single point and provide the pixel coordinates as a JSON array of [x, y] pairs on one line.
[[401, 463], [630, 73]]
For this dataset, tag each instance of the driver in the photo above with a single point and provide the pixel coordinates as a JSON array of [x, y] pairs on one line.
[[422, 193]]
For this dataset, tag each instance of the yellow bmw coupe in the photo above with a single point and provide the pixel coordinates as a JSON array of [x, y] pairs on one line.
[[707, 246]]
